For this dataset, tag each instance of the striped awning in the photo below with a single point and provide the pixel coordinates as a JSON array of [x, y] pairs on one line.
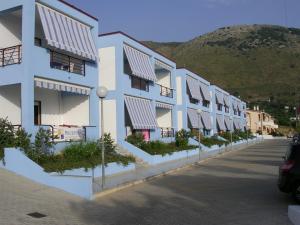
[[205, 91], [228, 123], [206, 120], [60, 86], [65, 33], [141, 113], [236, 123], [163, 105], [163, 65], [194, 88], [226, 100], [234, 104], [220, 122], [219, 98], [194, 118], [140, 63], [239, 105]]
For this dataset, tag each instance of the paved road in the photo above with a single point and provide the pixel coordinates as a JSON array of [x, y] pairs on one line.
[[237, 188]]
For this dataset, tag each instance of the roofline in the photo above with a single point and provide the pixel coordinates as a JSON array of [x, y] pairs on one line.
[[141, 43], [78, 9]]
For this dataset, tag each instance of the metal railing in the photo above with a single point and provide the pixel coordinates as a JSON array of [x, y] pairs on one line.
[[11, 55], [67, 63], [167, 132], [165, 91]]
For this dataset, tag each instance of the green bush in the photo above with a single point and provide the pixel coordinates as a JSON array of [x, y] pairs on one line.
[[136, 139], [7, 137], [22, 140], [210, 141], [226, 135], [182, 138]]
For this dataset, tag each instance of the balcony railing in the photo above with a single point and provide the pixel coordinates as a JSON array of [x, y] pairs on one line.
[[167, 132], [67, 63], [165, 91], [11, 55]]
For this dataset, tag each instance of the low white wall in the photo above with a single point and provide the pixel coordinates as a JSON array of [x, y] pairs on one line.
[[10, 103], [77, 181]]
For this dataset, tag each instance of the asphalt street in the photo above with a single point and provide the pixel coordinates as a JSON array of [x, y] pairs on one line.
[[235, 188]]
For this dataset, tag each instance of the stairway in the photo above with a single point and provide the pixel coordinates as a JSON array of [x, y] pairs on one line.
[[139, 162]]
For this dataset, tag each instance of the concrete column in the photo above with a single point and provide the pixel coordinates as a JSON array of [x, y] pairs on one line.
[[27, 86]]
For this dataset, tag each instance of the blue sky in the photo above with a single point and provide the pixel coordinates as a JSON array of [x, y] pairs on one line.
[[182, 20]]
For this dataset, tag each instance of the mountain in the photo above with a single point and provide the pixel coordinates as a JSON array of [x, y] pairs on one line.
[[256, 62]]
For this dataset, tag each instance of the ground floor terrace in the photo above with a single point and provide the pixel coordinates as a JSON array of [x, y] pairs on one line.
[[155, 120], [64, 109]]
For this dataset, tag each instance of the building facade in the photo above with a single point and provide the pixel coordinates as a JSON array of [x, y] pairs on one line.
[[194, 102], [260, 122], [49, 68], [141, 89]]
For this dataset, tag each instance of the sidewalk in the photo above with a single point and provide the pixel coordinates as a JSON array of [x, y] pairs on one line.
[[146, 172]]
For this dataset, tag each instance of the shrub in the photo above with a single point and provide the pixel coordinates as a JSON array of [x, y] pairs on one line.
[[210, 141], [22, 140], [43, 144], [6, 135], [136, 139], [182, 138]]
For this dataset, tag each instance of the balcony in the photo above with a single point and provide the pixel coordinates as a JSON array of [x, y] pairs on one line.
[[167, 132], [165, 91], [67, 63], [11, 55]]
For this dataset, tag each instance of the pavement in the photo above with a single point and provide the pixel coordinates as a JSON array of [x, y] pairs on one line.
[[236, 188]]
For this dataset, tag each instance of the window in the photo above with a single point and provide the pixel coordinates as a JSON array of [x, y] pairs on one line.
[[37, 41], [67, 63], [192, 100], [206, 103], [139, 83], [37, 112], [206, 132], [220, 107]]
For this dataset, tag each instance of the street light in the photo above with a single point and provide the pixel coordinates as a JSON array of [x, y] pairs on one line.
[[199, 111], [261, 124], [101, 93], [231, 130]]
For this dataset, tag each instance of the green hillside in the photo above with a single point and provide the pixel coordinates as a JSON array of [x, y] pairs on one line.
[[257, 62]]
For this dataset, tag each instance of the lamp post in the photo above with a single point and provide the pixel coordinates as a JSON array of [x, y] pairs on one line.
[[231, 130], [199, 111], [101, 93], [261, 124]]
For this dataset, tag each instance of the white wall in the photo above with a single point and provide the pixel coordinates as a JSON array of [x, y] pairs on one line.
[[180, 120], [179, 90], [10, 30], [107, 71], [50, 104], [62, 108], [110, 117], [164, 117], [10, 103], [76, 109], [164, 78]]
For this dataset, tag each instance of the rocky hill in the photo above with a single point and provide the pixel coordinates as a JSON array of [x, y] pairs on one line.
[[257, 62]]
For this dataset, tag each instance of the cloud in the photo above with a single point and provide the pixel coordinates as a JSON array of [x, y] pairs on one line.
[[213, 3]]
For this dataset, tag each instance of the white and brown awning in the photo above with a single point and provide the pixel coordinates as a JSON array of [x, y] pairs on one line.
[[237, 124], [65, 33], [165, 66], [140, 63], [194, 118], [163, 105], [206, 120], [141, 113], [219, 98], [226, 100], [205, 91], [220, 122], [194, 88], [61, 86], [228, 122]]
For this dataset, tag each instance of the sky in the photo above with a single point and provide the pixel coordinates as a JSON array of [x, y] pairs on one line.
[[182, 20]]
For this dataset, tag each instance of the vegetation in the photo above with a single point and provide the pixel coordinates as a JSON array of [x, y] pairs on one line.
[[161, 148], [208, 141], [256, 62], [76, 155]]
